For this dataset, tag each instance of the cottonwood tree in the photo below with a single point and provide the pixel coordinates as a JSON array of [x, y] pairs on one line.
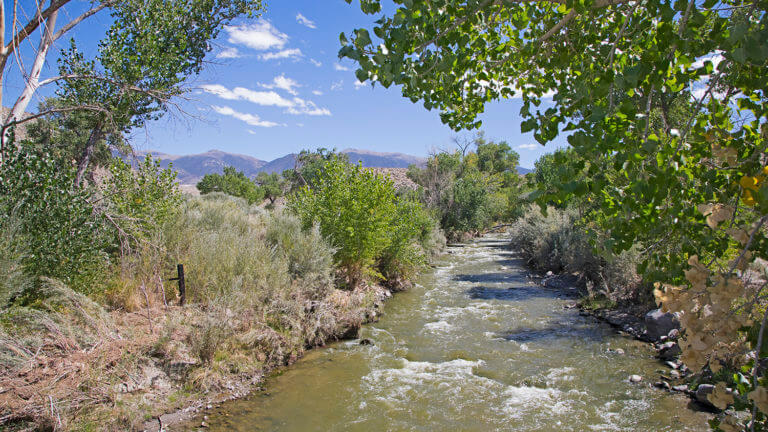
[[142, 62], [612, 69]]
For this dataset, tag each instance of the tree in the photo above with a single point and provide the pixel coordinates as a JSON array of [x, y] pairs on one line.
[[618, 73], [355, 210], [147, 54], [273, 185], [308, 166], [231, 182]]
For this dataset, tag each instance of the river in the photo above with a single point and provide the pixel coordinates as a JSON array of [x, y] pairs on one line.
[[475, 346]]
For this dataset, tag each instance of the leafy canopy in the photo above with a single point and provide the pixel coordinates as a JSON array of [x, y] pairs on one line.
[[231, 182]]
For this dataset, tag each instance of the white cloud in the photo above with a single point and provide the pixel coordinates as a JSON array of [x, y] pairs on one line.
[[315, 62], [261, 36], [528, 146], [269, 98], [340, 67], [252, 132], [359, 85], [287, 53], [251, 119], [229, 53], [284, 83], [301, 19], [295, 106], [307, 108], [337, 85], [317, 92]]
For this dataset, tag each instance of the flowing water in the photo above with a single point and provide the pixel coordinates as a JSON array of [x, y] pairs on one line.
[[475, 346]]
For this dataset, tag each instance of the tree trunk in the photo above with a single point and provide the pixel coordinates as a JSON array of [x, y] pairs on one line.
[[46, 41], [85, 160]]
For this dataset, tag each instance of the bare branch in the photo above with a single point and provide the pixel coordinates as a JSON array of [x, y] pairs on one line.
[[33, 24], [82, 17]]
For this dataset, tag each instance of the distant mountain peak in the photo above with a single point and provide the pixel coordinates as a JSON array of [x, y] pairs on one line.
[[192, 168]]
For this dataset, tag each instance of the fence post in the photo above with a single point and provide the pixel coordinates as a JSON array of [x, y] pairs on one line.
[[182, 285]]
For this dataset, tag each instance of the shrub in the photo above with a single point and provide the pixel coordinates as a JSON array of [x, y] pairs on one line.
[[559, 242], [414, 236], [64, 237], [309, 256], [231, 182], [12, 252], [355, 210]]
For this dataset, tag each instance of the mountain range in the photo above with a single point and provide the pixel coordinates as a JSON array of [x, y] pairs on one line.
[[192, 168]]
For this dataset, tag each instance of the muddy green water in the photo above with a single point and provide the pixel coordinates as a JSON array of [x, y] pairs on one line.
[[476, 346]]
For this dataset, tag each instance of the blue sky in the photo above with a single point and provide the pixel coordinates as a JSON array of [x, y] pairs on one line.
[[275, 86]]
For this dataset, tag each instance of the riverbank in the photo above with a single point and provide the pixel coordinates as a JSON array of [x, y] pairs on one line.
[[144, 373]]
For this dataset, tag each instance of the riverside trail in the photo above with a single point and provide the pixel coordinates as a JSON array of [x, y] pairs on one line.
[[476, 345]]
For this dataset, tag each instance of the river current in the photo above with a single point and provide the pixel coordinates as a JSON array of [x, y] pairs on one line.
[[476, 345]]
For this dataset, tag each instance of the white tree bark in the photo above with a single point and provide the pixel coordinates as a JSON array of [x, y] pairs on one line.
[[46, 41]]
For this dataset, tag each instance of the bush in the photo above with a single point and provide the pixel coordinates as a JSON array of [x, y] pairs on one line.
[[414, 237], [64, 237], [12, 252], [558, 242], [355, 210]]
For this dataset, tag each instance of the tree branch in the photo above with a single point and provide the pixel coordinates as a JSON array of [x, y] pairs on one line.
[[82, 17], [33, 24]]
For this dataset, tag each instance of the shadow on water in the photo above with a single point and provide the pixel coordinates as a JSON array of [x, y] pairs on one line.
[[512, 262], [492, 278], [553, 331], [512, 294]]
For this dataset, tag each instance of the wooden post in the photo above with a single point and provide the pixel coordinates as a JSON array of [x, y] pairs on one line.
[[182, 285]]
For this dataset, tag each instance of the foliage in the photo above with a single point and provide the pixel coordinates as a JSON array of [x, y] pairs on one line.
[[559, 241], [273, 185], [309, 165], [65, 135], [141, 200], [231, 182], [355, 210], [412, 239], [64, 237], [12, 252], [468, 191], [665, 104]]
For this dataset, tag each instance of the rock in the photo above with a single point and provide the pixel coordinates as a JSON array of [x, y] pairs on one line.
[[702, 392], [680, 388], [674, 374], [209, 406], [366, 342], [619, 351], [658, 323], [635, 378], [673, 334], [549, 273], [673, 365], [669, 351], [663, 385], [204, 424]]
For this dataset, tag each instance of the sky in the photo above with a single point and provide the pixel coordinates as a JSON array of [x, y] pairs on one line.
[[275, 85]]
